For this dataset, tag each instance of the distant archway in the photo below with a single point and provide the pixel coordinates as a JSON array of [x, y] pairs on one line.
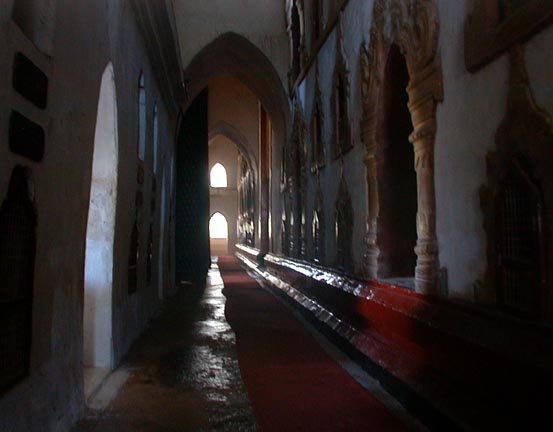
[[235, 56], [100, 233]]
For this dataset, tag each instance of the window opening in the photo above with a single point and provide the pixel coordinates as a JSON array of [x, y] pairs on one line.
[[218, 176]]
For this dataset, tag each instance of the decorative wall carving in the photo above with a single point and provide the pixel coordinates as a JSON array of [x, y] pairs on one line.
[[524, 150], [18, 221], [413, 26], [340, 102]]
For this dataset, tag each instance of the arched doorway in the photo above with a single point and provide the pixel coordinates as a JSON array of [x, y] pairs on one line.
[[98, 281], [397, 233], [218, 234], [232, 55]]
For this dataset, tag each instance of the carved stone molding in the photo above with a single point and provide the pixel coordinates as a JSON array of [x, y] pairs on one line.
[[524, 142], [412, 25]]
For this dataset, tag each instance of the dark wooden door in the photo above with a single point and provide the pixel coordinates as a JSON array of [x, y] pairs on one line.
[[192, 196]]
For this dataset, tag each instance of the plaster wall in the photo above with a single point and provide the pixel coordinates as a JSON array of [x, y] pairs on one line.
[[105, 31]]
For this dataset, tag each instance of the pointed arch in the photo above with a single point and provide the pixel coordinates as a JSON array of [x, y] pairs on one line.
[[233, 55], [230, 132]]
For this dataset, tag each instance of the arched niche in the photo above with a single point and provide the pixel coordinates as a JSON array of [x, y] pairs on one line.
[[396, 176], [296, 33], [100, 233], [18, 220], [414, 29], [517, 202], [318, 152], [340, 99]]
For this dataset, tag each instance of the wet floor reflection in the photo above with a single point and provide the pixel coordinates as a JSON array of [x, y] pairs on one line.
[[185, 372]]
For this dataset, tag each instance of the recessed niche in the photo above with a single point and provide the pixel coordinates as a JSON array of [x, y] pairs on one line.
[[30, 81], [26, 138]]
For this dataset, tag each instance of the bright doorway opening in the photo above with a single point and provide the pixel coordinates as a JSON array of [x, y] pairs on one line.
[[218, 234]]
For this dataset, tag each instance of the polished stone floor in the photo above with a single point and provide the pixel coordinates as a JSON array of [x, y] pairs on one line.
[[182, 374]]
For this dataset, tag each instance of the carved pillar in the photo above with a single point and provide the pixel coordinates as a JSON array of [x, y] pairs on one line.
[[424, 122], [371, 248]]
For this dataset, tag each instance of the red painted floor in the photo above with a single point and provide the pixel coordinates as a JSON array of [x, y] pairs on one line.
[[293, 384]]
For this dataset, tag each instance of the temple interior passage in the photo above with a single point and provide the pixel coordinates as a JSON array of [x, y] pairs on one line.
[[276, 215]]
